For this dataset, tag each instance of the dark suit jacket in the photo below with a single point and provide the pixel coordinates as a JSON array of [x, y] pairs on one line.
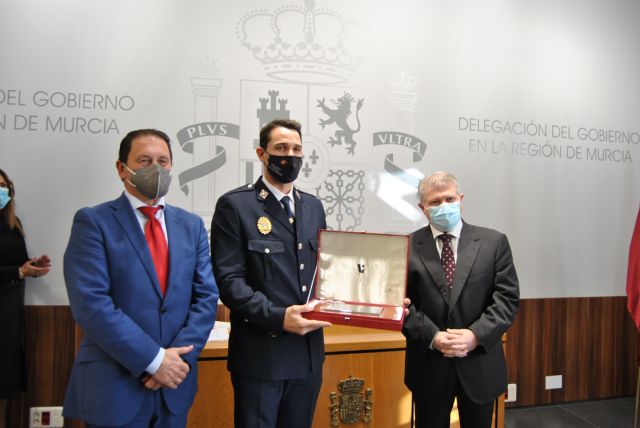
[[115, 297], [261, 274], [484, 299]]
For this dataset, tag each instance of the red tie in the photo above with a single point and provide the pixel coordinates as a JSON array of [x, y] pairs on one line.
[[157, 245]]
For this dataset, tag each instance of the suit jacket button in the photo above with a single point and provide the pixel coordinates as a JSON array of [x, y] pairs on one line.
[[301, 266], [299, 245], [163, 310]]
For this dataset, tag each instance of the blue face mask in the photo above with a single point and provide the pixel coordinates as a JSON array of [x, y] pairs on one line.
[[445, 216], [4, 197]]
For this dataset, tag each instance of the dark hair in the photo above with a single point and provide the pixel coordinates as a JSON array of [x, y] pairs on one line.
[[9, 210], [265, 132], [125, 144]]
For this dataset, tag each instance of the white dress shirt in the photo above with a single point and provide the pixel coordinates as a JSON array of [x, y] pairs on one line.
[[279, 195], [136, 203]]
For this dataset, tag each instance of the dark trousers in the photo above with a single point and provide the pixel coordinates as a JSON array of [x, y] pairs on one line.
[[275, 404], [153, 414], [435, 413]]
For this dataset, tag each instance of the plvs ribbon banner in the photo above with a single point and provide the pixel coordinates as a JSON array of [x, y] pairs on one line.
[[416, 145], [186, 139]]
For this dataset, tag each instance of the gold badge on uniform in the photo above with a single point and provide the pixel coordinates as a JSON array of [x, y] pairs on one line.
[[263, 194], [264, 225]]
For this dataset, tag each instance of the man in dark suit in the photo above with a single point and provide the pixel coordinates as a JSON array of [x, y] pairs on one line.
[[264, 245], [139, 280], [464, 295]]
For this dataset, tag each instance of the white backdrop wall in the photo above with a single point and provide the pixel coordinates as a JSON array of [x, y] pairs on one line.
[[533, 105]]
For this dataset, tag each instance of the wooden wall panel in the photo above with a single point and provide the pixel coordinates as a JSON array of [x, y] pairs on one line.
[[50, 352], [223, 313], [591, 341]]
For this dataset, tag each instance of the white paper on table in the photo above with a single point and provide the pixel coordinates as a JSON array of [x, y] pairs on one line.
[[220, 331]]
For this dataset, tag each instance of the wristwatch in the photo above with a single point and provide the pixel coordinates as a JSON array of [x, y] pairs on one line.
[[20, 274]]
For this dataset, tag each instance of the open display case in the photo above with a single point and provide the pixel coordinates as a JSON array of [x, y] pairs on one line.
[[361, 279]]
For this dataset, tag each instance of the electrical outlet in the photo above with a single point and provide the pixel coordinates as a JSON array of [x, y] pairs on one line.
[[553, 382], [50, 417], [512, 393]]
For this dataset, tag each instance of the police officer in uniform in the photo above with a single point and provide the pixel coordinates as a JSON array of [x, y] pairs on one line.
[[264, 245]]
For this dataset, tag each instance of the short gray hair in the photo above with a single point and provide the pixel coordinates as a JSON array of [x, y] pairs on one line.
[[437, 180]]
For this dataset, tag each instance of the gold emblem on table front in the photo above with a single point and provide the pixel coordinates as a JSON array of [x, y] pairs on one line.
[[352, 406]]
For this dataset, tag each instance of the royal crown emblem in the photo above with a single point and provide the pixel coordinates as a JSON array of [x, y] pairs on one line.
[[351, 385], [302, 43], [353, 405]]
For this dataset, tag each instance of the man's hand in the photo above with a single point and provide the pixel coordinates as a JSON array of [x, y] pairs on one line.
[[455, 342], [150, 383], [407, 302], [173, 368], [294, 322], [466, 339]]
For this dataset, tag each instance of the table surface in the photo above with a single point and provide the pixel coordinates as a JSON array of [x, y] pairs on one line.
[[337, 338]]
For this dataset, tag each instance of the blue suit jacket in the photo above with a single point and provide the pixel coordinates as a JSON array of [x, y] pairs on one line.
[[115, 298], [261, 274]]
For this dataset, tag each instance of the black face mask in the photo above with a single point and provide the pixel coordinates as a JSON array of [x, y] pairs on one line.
[[285, 169]]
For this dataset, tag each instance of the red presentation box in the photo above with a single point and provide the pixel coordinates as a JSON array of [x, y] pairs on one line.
[[361, 279]]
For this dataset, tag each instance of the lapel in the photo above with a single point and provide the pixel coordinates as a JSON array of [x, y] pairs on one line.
[[175, 234], [468, 248], [272, 205], [300, 212], [429, 256], [126, 218]]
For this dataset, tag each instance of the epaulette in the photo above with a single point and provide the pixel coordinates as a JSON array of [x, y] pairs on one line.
[[295, 189], [246, 188]]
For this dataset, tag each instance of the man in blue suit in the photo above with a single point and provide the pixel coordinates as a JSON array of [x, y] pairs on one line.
[[264, 240], [139, 280]]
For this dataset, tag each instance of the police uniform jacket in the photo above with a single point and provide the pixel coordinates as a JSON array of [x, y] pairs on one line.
[[264, 263]]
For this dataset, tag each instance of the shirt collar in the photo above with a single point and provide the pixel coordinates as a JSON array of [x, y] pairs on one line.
[[277, 193], [137, 203], [455, 232]]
